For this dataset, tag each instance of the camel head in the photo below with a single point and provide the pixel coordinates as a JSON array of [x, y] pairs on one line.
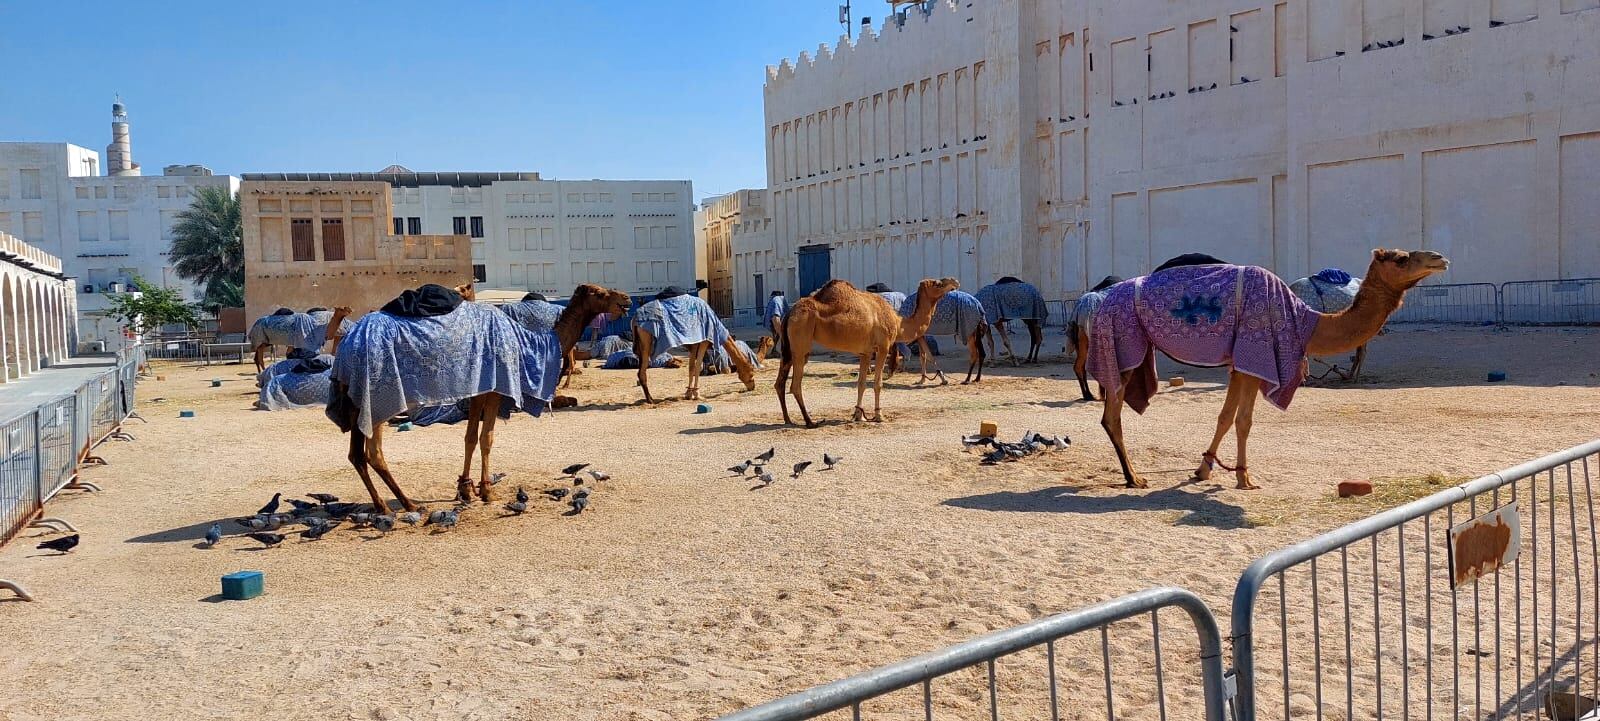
[[1402, 269], [595, 299], [765, 346], [936, 289], [467, 292]]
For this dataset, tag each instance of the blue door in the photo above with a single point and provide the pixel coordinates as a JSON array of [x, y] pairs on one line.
[[816, 268]]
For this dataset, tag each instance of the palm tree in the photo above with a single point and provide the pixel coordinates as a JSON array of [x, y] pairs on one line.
[[208, 248]]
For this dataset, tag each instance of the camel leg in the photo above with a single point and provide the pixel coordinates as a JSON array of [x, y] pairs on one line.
[[1005, 338], [798, 355], [358, 458], [1249, 388], [569, 363], [975, 354], [860, 413], [1361, 357], [1035, 340], [1080, 363], [489, 413], [1111, 420], [464, 481], [1230, 407], [877, 390], [381, 465], [642, 343], [928, 359], [261, 359], [697, 354]]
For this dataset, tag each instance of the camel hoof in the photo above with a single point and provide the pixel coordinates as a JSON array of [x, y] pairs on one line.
[[484, 494], [1245, 483], [1136, 483], [463, 490]]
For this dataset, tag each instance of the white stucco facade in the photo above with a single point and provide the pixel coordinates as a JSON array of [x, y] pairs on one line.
[[737, 234], [1060, 142], [105, 229]]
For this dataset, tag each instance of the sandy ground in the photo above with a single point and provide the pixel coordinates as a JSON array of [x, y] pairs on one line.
[[682, 593]]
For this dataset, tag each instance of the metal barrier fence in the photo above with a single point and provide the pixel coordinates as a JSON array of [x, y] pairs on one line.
[[1059, 680], [44, 447], [1554, 302], [1470, 603], [1476, 303]]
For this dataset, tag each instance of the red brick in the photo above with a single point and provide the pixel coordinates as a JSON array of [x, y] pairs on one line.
[[1348, 489]]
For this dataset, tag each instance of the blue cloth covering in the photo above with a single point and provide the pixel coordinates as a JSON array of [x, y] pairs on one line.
[[957, 314], [611, 344], [308, 331], [680, 321], [289, 390], [1083, 311], [535, 315], [1332, 276], [897, 301], [286, 366], [390, 364], [717, 361], [1012, 301], [625, 359]]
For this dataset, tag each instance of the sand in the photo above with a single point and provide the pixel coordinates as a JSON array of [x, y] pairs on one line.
[[682, 593]]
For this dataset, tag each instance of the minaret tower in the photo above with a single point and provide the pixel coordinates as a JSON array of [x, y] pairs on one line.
[[119, 154]]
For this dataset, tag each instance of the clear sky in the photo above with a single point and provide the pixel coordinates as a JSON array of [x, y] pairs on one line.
[[574, 90]]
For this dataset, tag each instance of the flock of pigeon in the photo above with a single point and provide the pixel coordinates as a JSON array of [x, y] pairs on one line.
[[1004, 452], [758, 465], [328, 513]]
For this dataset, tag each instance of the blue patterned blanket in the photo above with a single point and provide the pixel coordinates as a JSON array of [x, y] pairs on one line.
[[680, 321], [1324, 296], [289, 390], [957, 314], [1083, 311], [389, 364], [717, 361], [625, 359], [897, 301], [1012, 301], [535, 315], [307, 331]]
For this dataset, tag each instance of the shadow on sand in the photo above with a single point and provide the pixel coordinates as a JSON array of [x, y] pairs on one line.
[[1199, 505]]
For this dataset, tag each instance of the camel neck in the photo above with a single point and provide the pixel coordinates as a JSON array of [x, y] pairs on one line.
[[570, 325], [916, 326], [1351, 328]]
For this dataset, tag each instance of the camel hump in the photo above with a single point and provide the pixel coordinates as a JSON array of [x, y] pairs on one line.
[[834, 291]]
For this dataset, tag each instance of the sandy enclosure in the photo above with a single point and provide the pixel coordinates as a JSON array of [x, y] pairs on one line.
[[682, 593]]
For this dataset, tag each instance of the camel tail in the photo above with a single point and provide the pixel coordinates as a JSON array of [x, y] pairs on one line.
[[785, 353], [341, 410], [983, 332]]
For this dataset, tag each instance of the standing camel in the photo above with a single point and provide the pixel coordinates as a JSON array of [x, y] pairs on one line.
[[1011, 299], [588, 302], [1079, 326], [841, 317], [676, 319], [1243, 317], [958, 314], [308, 331], [431, 347], [1329, 291]]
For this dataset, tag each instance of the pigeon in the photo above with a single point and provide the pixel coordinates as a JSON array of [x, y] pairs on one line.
[[60, 545], [447, 519], [384, 523], [739, 470], [765, 477], [496, 478], [310, 534], [556, 494], [314, 522], [800, 468], [830, 461], [1029, 437], [340, 510], [517, 507], [762, 459], [994, 457], [599, 475], [301, 507], [580, 501], [261, 523], [213, 535], [1061, 443], [1116, 103], [323, 498], [361, 519], [410, 518], [271, 507], [270, 539], [522, 496], [971, 442], [573, 469]]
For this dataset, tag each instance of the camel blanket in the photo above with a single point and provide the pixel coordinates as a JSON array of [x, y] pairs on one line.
[[296, 388], [389, 364], [300, 330], [1204, 315], [1325, 293], [957, 314], [1083, 311], [1012, 301], [535, 315], [626, 360], [896, 300], [604, 347], [679, 321], [717, 361]]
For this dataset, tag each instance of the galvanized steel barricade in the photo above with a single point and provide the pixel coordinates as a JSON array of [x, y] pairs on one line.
[[21, 494], [58, 456], [1575, 301], [1475, 303], [1407, 614], [1046, 682]]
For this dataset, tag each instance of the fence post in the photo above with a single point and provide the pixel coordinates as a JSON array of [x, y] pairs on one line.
[[38, 465]]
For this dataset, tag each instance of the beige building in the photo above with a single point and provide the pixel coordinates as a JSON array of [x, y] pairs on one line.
[[326, 243], [1062, 141], [38, 310], [723, 225]]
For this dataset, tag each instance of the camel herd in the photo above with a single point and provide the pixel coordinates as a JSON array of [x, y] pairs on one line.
[[1195, 309]]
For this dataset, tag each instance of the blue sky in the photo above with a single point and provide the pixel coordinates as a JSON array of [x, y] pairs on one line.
[[649, 90]]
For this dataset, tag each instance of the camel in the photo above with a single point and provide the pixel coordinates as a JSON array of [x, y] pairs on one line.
[[1079, 326], [1330, 291], [310, 330], [588, 301], [841, 317], [524, 363], [682, 320], [1009, 299], [958, 314], [1209, 314]]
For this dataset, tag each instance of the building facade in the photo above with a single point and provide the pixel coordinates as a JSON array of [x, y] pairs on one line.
[[1063, 141], [105, 228], [726, 223], [327, 243], [38, 310], [548, 236]]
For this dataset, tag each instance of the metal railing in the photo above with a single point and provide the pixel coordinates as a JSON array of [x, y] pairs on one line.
[[1575, 301], [1475, 303], [21, 494], [1041, 687], [1385, 616]]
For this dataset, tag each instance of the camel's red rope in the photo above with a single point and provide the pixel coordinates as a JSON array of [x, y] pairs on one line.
[[1212, 458]]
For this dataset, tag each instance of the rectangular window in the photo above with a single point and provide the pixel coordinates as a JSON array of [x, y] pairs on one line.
[[458, 225], [88, 226], [671, 197], [120, 192], [5, 223], [605, 197], [119, 225], [517, 279], [169, 220], [183, 191], [572, 197], [300, 239], [32, 189], [399, 226], [458, 195], [479, 274], [333, 239], [81, 192], [5, 186], [514, 239], [413, 226], [33, 227], [477, 226], [163, 191], [590, 197]]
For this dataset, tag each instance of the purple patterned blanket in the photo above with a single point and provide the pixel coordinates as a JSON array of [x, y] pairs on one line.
[[1204, 315]]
